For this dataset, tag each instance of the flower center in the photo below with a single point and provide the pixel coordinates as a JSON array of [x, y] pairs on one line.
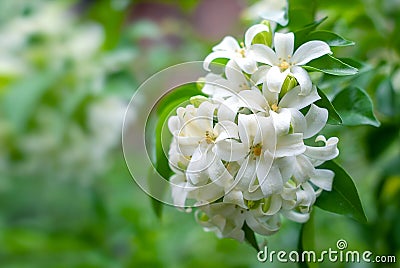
[[242, 50], [274, 107], [256, 150], [284, 65], [244, 86], [210, 137]]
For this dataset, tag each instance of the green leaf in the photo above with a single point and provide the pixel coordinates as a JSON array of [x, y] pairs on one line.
[[331, 38], [157, 136], [355, 107], [301, 13], [250, 237], [155, 204], [333, 117], [330, 65], [343, 199], [387, 99], [380, 139], [264, 38], [307, 240], [301, 34]]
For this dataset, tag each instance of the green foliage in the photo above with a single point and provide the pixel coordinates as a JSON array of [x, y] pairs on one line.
[[333, 116], [330, 65], [157, 137], [301, 13], [301, 34], [343, 199], [307, 240], [22, 99], [355, 107], [264, 38], [250, 237], [331, 38]]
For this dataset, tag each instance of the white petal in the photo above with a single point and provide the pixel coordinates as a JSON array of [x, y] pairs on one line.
[[306, 197], [228, 109], [216, 86], [174, 124], [187, 145], [281, 121], [290, 145], [196, 170], [271, 97], [265, 133], [264, 54], [235, 197], [284, 44], [246, 174], [217, 55], [264, 165], [179, 193], [234, 75], [226, 130], [205, 115], [303, 169], [230, 150], [254, 100], [278, 16], [286, 167], [207, 193], [325, 153], [273, 183], [316, 119], [248, 125], [247, 64], [228, 44], [298, 121], [275, 79], [309, 51], [275, 204], [252, 32], [323, 178], [260, 76], [293, 99], [303, 78], [219, 174], [296, 216], [264, 226]]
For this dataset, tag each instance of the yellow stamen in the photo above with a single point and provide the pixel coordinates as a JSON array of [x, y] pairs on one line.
[[210, 137], [274, 107], [256, 150], [284, 65]]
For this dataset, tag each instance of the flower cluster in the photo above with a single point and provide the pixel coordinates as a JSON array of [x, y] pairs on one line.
[[239, 153]]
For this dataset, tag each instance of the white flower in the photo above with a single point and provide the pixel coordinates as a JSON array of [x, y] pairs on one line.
[[240, 156], [241, 54], [285, 62], [255, 152], [285, 112], [273, 10], [196, 136], [227, 220], [305, 199], [220, 88]]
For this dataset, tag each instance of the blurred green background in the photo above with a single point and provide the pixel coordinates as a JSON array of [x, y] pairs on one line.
[[67, 71]]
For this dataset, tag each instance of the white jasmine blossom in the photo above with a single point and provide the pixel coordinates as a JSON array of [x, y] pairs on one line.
[[239, 154], [242, 54], [272, 10], [284, 62]]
